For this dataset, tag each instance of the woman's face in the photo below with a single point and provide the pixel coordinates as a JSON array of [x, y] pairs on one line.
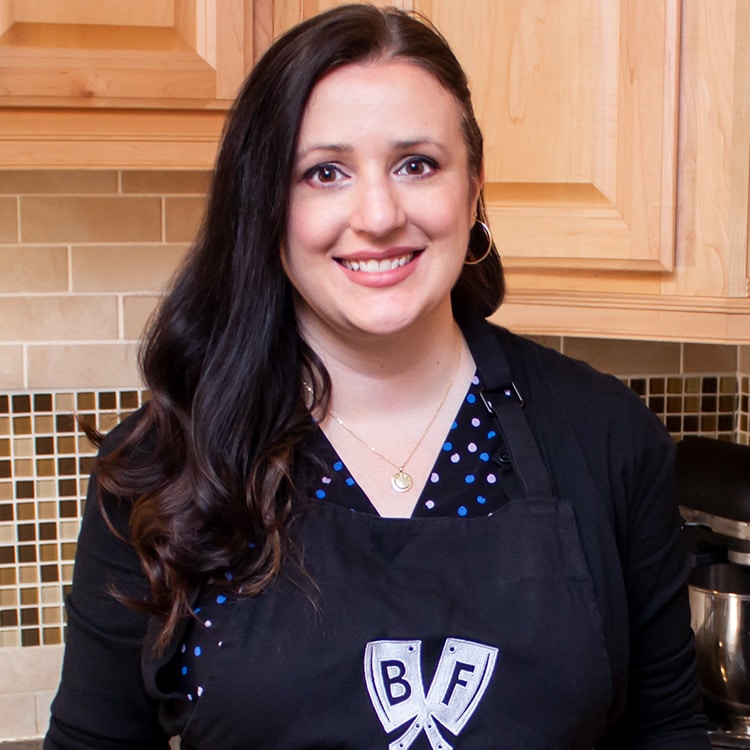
[[381, 202]]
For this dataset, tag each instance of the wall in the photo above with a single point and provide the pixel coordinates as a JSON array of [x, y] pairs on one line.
[[83, 255]]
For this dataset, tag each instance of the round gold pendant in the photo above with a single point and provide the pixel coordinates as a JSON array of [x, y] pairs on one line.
[[401, 481]]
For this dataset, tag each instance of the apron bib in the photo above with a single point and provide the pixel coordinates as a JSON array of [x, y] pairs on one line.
[[422, 634]]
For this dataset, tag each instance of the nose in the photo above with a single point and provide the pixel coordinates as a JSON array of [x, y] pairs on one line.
[[378, 209]]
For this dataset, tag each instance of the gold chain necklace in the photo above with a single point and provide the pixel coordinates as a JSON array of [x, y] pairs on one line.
[[401, 481]]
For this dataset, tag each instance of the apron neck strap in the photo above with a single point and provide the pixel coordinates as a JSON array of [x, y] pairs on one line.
[[503, 400]]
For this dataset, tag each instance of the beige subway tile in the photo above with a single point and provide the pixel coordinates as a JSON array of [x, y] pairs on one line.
[[11, 366], [552, 342], [58, 318], [709, 358], [744, 359], [182, 218], [8, 220], [626, 357], [168, 181], [43, 700], [30, 668], [83, 366], [131, 268], [33, 269], [136, 313], [45, 181], [90, 219], [17, 716]]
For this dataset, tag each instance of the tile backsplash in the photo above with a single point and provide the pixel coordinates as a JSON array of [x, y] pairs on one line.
[[83, 258]]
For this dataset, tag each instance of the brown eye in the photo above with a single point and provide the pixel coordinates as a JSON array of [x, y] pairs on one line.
[[418, 166], [326, 174]]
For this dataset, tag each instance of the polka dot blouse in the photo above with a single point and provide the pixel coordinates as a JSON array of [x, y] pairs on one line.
[[464, 483]]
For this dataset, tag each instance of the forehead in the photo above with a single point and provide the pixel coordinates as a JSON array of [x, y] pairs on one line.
[[380, 97]]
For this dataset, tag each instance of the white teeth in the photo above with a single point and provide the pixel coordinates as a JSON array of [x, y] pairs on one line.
[[377, 266]]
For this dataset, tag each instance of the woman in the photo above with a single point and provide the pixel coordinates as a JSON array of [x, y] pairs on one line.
[[354, 514]]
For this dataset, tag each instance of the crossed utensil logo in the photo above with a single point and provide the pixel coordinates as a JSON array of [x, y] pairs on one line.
[[393, 673]]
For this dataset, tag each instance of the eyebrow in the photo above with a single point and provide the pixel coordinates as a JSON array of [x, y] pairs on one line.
[[343, 148]]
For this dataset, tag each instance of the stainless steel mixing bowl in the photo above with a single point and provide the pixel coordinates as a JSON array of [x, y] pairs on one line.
[[720, 614]]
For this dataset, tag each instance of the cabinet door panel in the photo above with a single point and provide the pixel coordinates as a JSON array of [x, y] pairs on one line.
[[577, 101]]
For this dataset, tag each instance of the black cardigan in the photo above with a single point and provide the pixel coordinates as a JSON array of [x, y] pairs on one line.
[[605, 452]]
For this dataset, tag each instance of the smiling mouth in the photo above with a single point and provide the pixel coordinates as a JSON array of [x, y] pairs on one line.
[[377, 266]]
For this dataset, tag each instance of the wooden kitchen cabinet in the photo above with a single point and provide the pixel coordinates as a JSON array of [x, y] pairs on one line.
[[617, 134], [119, 83]]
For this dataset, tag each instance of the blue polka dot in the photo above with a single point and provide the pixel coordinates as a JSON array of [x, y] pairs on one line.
[[491, 434], [462, 511], [197, 609], [220, 599], [197, 651], [338, 466], [454, 425], [251, 545], [471, 398], [228, 576], [484, 457], [320, 494], [350, 482], [469, 479], [481, 499], [448, 446], [184, 671]]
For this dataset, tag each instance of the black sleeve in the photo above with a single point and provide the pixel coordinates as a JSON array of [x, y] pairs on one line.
[[612, 457], [664, 702], [101, 703]]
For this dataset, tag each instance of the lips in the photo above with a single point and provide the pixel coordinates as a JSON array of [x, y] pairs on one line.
[[374, 265]]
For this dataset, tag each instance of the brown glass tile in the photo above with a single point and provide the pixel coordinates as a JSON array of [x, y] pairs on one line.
[[52, 636], [45, 467], [692, 404], [43, 402], [129, 399], [692, 385], [726, 422], [728, 384], [674, 404], [709, 403], [709, 422], [673, 423], [47, 531], [674, 385], [48, 553], [65, 423], [86, 401], [30, 637], [638, 385], [68, 550], [67, 487], [85, 465], [657, 404], [24, 489], [29, 596], [8, 576], [25, 511], [5, 470], [26, 532], [68, 508], [6, 512], [66, 445], [727, 403], [8, 618], [4, 404], [27, 553], [50, 573], [44, 423], [22, 426], [656, 385], [691, 423], [108, 400], [66, 467], [21, 404]]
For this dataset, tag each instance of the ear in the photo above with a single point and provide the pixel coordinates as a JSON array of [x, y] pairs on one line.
[[475, 188]]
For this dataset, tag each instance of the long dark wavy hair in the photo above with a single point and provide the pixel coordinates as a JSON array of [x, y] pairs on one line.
[[209, 465]]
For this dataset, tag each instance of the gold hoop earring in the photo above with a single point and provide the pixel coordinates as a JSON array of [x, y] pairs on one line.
[[488, 234]]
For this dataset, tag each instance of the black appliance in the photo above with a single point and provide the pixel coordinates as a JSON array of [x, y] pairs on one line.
[[713, 489]]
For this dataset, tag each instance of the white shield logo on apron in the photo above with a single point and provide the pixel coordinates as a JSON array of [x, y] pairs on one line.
[[393, 673]]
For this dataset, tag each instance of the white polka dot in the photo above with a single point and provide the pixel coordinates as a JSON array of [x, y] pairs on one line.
[[199, 691], [429, 504], [476, 422], [208, 623], [434, 477], [491, 479], [326, 480], [472, 447], [475, 380], [455, 458]]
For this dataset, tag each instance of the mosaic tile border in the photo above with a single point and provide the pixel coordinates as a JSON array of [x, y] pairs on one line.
[[45, 461]]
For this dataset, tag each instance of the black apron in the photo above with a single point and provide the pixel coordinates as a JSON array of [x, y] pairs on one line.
[[432, 633]]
